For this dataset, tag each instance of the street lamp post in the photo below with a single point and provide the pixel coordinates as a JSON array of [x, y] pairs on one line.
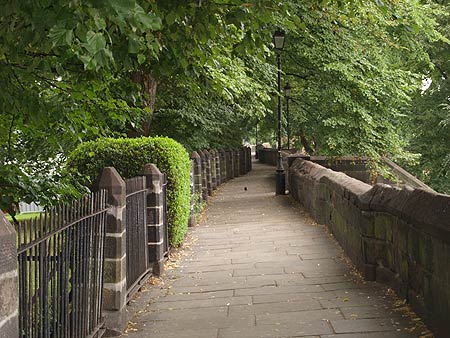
[[256, 141], [287, 95], [278, 42]]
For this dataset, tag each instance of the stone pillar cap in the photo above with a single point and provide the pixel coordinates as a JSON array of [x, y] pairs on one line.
[[111, 180], [195, 155], [151, 169], [201, 154]]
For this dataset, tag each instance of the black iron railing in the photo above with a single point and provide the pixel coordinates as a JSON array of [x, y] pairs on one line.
[[61, 256], [138, 267]]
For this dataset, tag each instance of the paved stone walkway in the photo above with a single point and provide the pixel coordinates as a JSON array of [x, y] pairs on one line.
[[258, 266]]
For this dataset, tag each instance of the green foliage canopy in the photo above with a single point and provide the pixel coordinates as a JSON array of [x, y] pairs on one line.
[[63, 73], [66, 70], [67, 73], [354, 73], [429, 119]]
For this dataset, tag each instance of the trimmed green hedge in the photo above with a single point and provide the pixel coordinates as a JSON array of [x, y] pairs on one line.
[[128, 156]]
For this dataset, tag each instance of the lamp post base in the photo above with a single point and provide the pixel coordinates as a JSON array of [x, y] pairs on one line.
[[281, 182]]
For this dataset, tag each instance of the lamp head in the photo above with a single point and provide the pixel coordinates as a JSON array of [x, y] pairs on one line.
[[278, 40]]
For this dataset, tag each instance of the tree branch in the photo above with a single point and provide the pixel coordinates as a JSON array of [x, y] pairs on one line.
[[443, 73], [300, 76], [305, 142]]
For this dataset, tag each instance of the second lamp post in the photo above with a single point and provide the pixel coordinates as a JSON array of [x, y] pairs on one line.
[[287, 95], [278, 42]]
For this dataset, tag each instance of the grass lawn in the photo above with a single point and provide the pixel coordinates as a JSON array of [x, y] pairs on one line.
[[24, 216]]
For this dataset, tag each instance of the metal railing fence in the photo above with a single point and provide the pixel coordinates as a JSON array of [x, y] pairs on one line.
[[61, 256], [138, 267]]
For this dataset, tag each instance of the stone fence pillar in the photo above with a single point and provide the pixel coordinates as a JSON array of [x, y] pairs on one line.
[[204, 176], [197, 175], [208, 172], [259, 149], [223, 165], [115, 275], [155, 217], [236, 163], [212, 155], [230, 164], [9, 302], [192, 215], [218, 172], [242, 162], [247, 159]]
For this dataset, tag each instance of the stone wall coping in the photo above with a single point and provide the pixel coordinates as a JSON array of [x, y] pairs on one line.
[[339, 158], [399, 172], [349, 187], [427, 210]]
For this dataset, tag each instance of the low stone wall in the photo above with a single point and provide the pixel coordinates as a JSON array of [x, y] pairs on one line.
[[356, 167], [352, 166], [400, 237], [270, 156], [267, 156]]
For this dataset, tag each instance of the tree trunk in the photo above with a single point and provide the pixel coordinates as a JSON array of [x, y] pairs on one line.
[[305, 142], [148, 89]]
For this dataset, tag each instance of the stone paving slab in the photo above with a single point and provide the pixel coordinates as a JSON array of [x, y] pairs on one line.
[[184, 296], [186, 333], [280, 307], [271, 290], [293, 329], [370, 335], [287, 318], [365, 325], [258, 266], [297, 279], [198, 303], [208, 323]]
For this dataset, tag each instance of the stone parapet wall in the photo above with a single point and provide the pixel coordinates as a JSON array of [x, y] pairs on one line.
[[400, 237], [267, 156], [270, 156], [357, 167]]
